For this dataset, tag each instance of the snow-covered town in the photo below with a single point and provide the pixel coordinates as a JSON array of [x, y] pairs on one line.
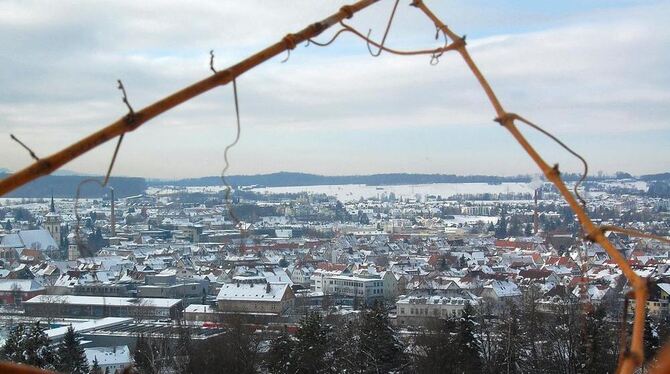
[[122, 273]]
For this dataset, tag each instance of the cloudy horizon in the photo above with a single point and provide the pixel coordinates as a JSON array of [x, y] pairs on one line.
[[594, 74]]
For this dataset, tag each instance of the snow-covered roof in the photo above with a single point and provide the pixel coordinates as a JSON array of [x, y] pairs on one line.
[[86, 326], [504, 288], [106, 356], [199, 308], [22, 285], [444, 300], [39, 239], [252, 292], [104, 301], [665, 287]]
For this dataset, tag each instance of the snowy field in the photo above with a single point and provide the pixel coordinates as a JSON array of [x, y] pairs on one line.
[[168, 190], [353, 192], [460, 219]]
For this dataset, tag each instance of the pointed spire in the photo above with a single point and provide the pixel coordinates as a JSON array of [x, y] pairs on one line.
[[53, 206]]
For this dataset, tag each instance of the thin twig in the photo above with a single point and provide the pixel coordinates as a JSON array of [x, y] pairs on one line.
[[564, 146], [635, 233], [386, 32], [238, 130], [636, 357], [49, 164], [211, 61], [131, 113], [347, 28], [30, 151]]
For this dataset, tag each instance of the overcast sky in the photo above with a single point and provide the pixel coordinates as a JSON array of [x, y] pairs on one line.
[[595, 73]]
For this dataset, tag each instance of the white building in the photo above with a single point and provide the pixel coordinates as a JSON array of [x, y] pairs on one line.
[[501, 291], [110, 359], [365, 289], [413, 310]]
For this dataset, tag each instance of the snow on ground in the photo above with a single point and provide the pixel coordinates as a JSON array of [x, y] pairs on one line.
[[353, 192]]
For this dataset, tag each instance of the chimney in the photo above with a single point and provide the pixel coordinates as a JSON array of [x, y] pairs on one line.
[[113, 223], [268, 288]]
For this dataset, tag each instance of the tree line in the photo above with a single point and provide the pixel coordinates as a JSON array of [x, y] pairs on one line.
[[519, 337], [515, 337], [29, 344]]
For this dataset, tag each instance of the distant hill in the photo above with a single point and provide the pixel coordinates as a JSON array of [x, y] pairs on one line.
[[66, 186], [656, 177], [287, 179]]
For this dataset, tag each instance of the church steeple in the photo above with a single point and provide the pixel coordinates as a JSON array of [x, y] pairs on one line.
[[53, 221]]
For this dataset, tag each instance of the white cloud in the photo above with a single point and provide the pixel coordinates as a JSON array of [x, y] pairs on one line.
[[581, 74]]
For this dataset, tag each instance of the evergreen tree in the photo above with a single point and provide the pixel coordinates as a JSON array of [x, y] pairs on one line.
[[312, 345], [651, 338], [379, 349], [345, 346], [280, 355], [514, 226], [95, 368], [501, 227], [71, 357], [13, 348], [435, 349], [37, 351], [528, 230], [468, 357]]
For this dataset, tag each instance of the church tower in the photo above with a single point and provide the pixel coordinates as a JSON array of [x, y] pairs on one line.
[[52, 222]]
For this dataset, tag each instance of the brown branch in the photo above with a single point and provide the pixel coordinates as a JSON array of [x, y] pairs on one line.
[[636, 356], [49, 164]]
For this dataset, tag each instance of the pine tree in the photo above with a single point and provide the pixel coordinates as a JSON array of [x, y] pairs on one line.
[[345, 347], [528, 230], [280, 356], [468, 347], [37, 350], [514, 226], [436, 349], [71, 357], [651, 338], [13, 348], [95, 368], [312, 346], [501, 227], [379, 349]]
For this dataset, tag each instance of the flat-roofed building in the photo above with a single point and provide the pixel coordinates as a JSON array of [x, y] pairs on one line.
[[366, 290], [96, 306], [413, 310]]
